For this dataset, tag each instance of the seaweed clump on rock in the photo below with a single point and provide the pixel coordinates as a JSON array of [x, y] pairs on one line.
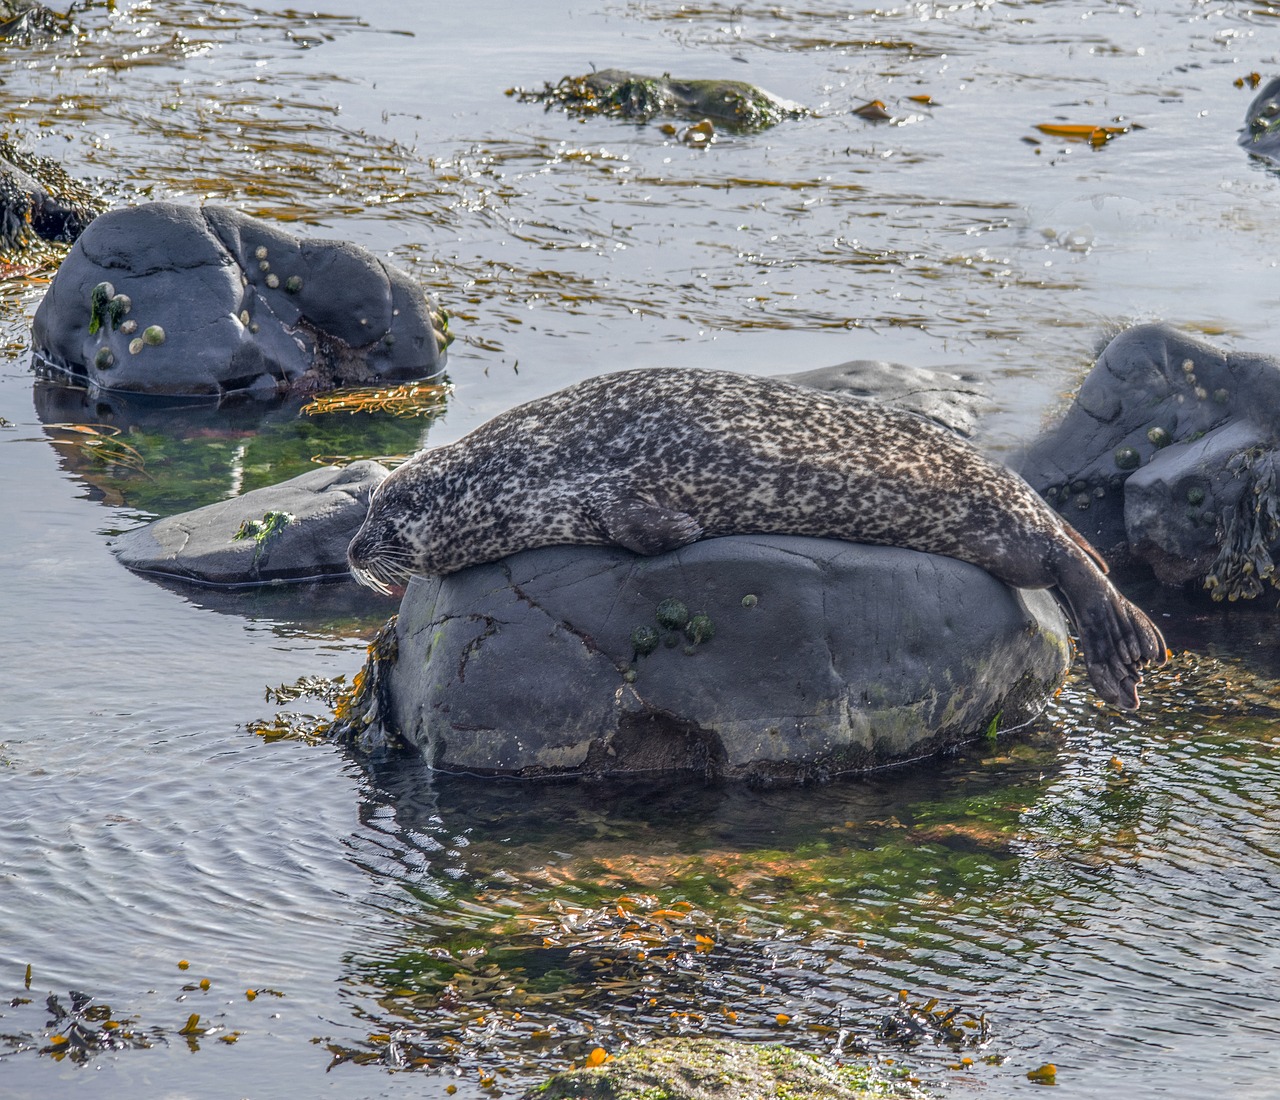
[[616, 93]]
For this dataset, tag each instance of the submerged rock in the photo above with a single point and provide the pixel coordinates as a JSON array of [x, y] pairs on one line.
[[172, 300], [760, 658], [295, 531], [712, 1069], [617, 93], [1167, 457]]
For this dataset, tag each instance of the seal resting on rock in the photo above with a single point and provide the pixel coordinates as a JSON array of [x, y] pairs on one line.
[[654, 459]]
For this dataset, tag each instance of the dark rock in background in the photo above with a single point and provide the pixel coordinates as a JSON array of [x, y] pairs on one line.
[[953, 401], [1166, 457], [172, 300], [298, 530], [761, 658], [39, 201], [1261, 133]]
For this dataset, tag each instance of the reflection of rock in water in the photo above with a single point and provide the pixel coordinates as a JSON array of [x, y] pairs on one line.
[[166, 456], [176, 301]]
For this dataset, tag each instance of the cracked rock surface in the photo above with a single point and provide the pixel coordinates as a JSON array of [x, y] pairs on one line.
[[1167, 457], [323, 509], [799, 659], [180, 301]]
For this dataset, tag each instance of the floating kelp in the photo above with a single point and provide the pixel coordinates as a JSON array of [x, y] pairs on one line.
[[1095, 135], [411, 399], [617, 93]]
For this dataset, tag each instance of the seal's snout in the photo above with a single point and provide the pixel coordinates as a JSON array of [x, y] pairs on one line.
[[378, 560]]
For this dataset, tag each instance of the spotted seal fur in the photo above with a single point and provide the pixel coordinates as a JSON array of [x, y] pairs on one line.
[[655, 459]]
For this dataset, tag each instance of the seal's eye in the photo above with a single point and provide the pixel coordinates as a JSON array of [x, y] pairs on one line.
[[1270, 110]]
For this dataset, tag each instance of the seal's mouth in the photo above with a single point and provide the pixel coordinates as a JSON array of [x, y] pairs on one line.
[[380, 565]]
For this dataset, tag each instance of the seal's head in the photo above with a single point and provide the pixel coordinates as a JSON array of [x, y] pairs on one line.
[[383, 553]]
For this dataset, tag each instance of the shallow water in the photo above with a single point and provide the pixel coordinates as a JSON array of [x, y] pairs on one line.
[[1102, 890]]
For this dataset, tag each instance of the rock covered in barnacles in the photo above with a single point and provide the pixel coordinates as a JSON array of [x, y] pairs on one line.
[[1167, 458], [172, 300]]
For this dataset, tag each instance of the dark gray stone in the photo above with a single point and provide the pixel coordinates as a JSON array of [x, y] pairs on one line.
[[220, 304], [953, 401], [325, 508], [817, 657], [1153, 391], [1176, 506], [1261, 133]]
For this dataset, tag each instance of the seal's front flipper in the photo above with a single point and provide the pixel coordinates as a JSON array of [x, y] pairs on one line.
[[644, 527]]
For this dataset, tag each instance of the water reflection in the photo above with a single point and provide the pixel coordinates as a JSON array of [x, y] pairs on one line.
[[165, 457]]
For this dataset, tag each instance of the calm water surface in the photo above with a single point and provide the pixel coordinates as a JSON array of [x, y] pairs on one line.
[[1101, 891]]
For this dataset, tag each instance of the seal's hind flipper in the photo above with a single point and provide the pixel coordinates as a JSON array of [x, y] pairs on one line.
[[1117, 638], [645, 527], [1084, 545]]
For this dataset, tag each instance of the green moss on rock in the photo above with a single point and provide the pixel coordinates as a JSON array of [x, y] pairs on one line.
[[712, 1069]]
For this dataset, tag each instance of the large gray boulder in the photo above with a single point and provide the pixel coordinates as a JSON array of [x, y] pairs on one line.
[[1167, 457], [798, 659], [179, 301], [295, 531]]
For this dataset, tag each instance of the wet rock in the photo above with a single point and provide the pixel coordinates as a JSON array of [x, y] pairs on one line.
[[295, 531], [617, 93], [1143, 463], [711, 1069], [772, 659], [953, 401], [1167, 458], [1261, 133], [39, 201], [26, 22], [172, 300]]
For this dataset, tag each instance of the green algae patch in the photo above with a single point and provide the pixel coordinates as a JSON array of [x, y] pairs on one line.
[[703, 1069], [616, 93]]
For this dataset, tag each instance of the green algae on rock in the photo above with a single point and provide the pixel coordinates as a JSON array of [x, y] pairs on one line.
[[703, 1069], [618, 93]]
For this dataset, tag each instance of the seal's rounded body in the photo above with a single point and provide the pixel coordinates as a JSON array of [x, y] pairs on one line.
[[655, 459]]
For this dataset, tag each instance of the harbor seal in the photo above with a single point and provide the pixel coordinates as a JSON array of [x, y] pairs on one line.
[[654, 459]]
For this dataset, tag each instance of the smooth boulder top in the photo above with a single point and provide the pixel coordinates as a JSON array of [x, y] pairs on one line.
[[759, 658], [180, 301], [288, 533]]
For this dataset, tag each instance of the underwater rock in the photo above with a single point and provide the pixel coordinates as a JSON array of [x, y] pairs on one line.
[[292, 532], [176, 301], [39, 201], [952, 401], [686, 1068], [617, 93], [1166, 458], [788, 659], [1261, 133]]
